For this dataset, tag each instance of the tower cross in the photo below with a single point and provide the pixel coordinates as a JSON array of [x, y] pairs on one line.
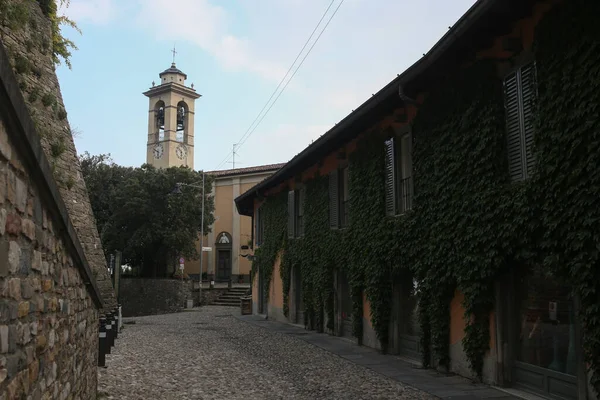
[[174, 52]]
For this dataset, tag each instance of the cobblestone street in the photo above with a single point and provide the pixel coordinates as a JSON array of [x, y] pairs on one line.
[[210, 354]]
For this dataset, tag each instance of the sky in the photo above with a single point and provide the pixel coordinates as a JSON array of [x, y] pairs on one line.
[[236, 52]]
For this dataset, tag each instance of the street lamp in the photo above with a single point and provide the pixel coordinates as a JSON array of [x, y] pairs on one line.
[[178, 191]]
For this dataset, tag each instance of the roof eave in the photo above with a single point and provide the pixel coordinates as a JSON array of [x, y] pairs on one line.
[[245, 202]]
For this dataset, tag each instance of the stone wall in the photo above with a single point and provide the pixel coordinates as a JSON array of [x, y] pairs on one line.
[[29, 48], [49, 301], [140, 296]]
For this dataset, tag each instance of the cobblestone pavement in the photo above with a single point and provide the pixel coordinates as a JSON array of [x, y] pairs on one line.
[[209, 354]]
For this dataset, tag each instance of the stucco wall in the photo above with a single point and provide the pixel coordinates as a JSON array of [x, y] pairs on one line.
[[154, 296], [459, 362], [275, 301]]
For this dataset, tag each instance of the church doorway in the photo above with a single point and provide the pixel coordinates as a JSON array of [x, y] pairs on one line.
[[223, 257], [223, 265]]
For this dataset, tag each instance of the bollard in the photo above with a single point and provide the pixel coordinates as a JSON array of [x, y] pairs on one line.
[[109, 333], [116, 322], [102, 343], [120, 326], [113, 326]]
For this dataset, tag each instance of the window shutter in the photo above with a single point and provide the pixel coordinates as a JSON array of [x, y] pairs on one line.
[[513, 127], [291, 216], [528, 88], [334, 215], [301, 202], [390, 178], [257, 227]]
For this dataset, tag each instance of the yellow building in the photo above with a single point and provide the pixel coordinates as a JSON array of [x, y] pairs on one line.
[[230, 230]]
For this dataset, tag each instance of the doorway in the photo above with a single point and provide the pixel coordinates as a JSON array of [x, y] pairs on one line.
[[261, 292], [223, 265], [298, 298], [544, 339], [405, 328], [345, 306]]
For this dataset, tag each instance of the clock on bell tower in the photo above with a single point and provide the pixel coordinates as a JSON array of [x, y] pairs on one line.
[[171, 121]]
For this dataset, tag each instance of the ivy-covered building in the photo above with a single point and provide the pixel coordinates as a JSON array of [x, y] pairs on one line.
[[454, 217]]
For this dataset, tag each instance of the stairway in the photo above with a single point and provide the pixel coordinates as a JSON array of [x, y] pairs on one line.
[[231, 298]]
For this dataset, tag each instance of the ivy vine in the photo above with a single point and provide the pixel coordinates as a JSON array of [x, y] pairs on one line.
[[469, 224]]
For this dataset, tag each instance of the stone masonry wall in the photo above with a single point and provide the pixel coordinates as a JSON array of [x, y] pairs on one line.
[[48, 320], [153, 296], [29, 47]]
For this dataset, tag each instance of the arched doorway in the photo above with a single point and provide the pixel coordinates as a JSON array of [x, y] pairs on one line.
[[223, 257]]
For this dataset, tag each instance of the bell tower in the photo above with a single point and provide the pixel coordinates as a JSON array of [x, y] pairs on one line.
[[171, 120]]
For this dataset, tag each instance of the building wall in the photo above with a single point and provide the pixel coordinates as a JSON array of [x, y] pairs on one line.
[[48, 319], [523, 30], [227, 219], [41, 78], [275, 301]]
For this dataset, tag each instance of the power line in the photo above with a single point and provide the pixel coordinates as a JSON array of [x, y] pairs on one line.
[[296, 70], [250, 129]]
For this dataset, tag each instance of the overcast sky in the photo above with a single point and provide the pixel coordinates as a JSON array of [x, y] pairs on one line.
[[235, 53]]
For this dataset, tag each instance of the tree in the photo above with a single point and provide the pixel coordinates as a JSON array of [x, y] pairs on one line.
[[142, 215], [102, 176]]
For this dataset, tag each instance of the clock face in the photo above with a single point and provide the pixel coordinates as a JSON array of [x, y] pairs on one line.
[[158, 151], [181, 152]]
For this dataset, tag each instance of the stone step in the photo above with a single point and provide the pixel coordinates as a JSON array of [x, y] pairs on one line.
[[230, 296], [226, 303]]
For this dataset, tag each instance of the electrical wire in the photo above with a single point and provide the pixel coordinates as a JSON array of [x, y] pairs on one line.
[[258, 118]]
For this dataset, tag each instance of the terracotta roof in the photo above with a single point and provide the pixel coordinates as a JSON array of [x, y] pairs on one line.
[[243, 171]]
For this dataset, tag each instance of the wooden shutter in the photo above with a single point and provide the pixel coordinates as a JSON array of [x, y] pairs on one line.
[[291, 216], [513, 127], [334, 212], [528, 89], [390, 178], [257, 227], [301, 201]]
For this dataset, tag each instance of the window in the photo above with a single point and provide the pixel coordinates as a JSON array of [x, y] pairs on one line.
[[339, 198], [300, 212], [260, 226], [519, 98], [296, 212], [398, 175]]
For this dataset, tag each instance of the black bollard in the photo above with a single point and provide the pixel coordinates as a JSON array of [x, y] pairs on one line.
[[120, 316], [113, 329], [109, 333], [116, 322], [102, 343]]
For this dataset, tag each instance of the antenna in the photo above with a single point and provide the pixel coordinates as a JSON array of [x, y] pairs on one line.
[[234, 154]]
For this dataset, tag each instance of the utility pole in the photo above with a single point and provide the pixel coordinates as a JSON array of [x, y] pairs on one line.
[[201, 245]]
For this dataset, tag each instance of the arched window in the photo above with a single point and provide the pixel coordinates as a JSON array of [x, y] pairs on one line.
[[181, 131], [159, 111]]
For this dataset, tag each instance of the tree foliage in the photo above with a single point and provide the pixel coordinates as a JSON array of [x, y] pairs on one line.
[[140, 212]]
